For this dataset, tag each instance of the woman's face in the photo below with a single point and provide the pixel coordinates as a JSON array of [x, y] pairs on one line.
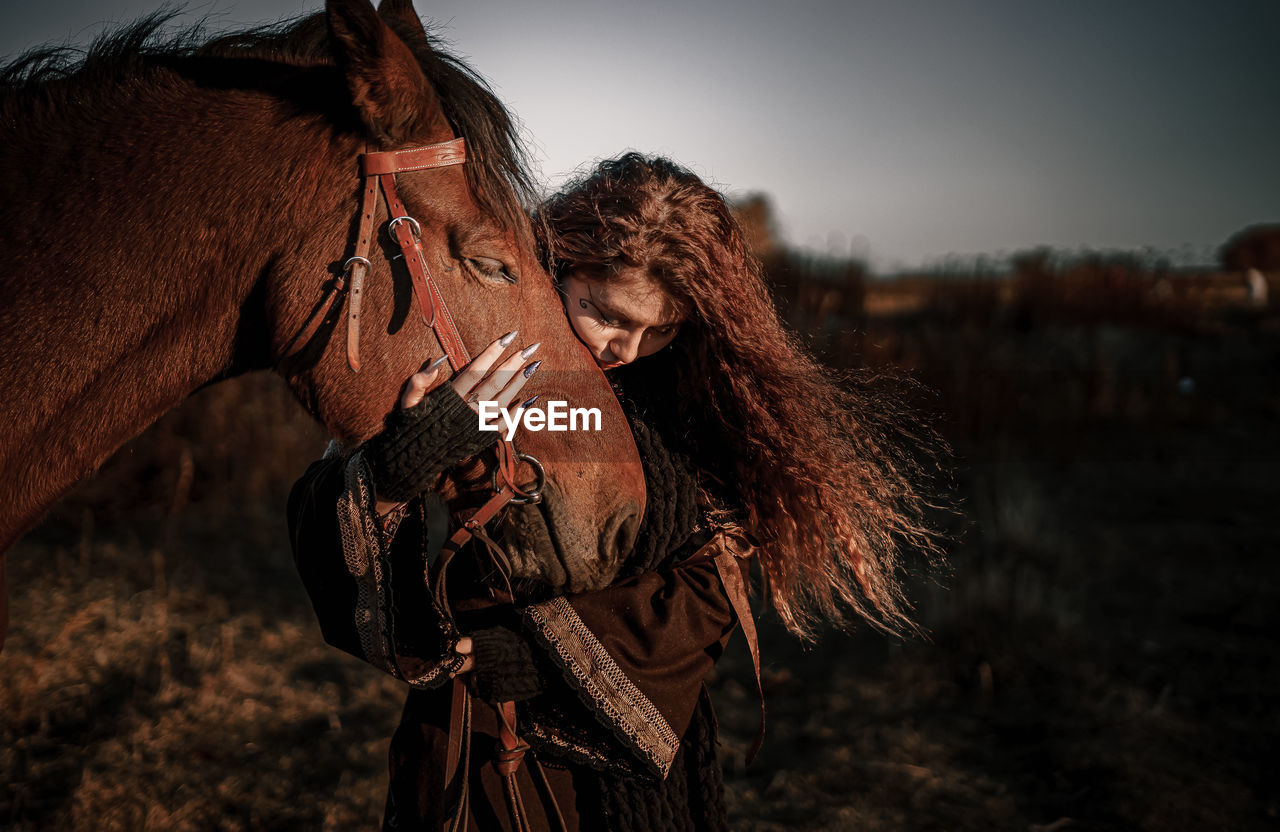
[[622, 319]]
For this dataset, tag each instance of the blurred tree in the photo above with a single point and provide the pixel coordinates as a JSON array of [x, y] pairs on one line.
[[1255, 247], [756, 215]]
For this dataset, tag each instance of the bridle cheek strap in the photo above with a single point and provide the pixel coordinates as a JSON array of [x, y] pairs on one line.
[[357, 267], [435, 312], [379, 170]]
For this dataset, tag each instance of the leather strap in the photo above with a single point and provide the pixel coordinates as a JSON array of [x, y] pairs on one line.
[[436, 577], [510, 753], [431, 306], [318, 315], [457, 771], [473, 526], [359, 266], [378, 170], [735, 588], [383, 166], [512, 749], [441, 154], [555, 816]]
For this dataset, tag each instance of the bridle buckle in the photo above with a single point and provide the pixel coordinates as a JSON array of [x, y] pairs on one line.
[[525, 496], [414, 228]]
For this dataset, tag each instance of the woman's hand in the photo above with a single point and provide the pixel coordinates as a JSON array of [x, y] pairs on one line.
[[480, 380], [464, 648], [413, 446]]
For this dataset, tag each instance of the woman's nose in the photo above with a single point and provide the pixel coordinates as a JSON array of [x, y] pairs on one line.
[[626, 348]]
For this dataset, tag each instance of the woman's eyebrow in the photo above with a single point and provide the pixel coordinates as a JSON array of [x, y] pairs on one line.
[[611, 312]]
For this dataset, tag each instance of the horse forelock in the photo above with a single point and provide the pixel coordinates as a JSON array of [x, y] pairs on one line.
[[57, 77]]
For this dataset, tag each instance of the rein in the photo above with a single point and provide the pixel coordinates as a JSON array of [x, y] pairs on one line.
[[378, 170]]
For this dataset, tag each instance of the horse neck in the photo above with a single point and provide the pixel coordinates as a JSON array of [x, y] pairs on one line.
[[138, 252]]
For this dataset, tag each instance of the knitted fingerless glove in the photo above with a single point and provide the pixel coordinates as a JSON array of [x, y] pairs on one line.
[[505, 670], [421, 442]]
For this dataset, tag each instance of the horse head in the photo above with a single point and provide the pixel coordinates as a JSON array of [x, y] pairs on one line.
[[477, 248]]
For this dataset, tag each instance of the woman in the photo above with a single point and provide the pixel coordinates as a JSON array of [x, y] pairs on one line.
[[759, 453]]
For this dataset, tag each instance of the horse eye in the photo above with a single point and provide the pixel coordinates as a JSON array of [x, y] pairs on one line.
[[487, 268]]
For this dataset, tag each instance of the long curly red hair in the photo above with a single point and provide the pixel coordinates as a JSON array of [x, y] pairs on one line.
[[829, 488]]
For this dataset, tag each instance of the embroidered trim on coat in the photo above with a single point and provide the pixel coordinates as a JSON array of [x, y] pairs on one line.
[[560, 746], [599, 676], [364, 550]]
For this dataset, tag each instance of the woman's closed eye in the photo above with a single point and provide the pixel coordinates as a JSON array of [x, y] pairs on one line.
[[600, 318], [603, 320]]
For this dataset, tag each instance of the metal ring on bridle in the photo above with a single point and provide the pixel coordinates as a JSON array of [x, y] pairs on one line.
[[534, 493], [417, 229], [346, 267]]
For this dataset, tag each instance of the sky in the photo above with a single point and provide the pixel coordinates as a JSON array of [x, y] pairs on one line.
[[900, 132]]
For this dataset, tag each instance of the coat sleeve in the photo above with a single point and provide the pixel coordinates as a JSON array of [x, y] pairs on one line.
[[637, 652], [368, 594]]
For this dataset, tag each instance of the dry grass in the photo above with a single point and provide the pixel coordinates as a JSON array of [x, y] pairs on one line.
[[163, 669]]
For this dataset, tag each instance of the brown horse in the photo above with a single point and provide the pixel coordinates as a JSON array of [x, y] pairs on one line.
[[176, 213]]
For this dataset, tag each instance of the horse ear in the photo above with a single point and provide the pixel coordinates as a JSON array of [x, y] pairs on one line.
[[387, 85], [402, 12]]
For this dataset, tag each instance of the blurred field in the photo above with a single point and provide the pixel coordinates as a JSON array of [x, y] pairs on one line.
[[1101, 653]]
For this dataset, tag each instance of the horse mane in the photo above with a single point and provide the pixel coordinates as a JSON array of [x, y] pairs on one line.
[[57, 78]]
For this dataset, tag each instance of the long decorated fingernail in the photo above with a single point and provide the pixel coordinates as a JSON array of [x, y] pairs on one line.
[[435, 365], [532, 368], [530, 350], [527, 402], [505, 341]]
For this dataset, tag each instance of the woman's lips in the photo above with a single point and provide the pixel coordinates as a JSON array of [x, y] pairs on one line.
[[609, 365]]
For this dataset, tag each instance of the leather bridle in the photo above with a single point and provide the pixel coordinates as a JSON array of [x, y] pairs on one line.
[[378, 170]]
